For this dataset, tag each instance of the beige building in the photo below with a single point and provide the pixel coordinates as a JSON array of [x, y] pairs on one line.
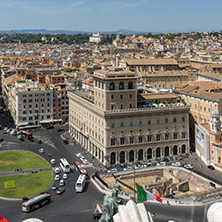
[[30, 104], [115, 129]]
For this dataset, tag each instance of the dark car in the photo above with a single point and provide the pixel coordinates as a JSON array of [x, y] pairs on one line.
[[66, 141], [97, 215], [60, 190], [50, 127], [211, 167], [165, 159], [60, 130], [32, 140], [21, 138], [1, 139], [39, 141], [171, 158]]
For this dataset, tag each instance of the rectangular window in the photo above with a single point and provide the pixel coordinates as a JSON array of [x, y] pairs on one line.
[[113, 142], [112, 106], [121, 124], [112, 96], [149, 138], [183, 119], [166, 120], [167, 136], [158, 137], [112, 125], [149, 121], [174, 119], [157, 121], [140, 138], [130, 95], [121, 96], [183, 135], [175, 136], [131, 123], [131, 140], [122, 141], [140, 123]]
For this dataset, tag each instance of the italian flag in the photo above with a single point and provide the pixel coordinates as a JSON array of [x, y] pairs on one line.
[[144, 195]]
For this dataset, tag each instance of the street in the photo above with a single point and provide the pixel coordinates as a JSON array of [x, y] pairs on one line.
[[72, 206]]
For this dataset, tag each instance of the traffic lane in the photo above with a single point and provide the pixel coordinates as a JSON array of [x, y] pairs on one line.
[[177, 212]]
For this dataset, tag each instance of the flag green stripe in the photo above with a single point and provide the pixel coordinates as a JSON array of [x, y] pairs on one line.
[[141, 194]]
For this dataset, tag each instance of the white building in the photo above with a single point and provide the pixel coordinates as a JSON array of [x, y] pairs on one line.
[[96, 37]]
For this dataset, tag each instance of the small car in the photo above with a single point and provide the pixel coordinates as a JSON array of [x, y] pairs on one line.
[[60, 190], [52, 161], [78, 155], [32, 139], [57, 177], [1, 139], [54, 187], [211, 167], [50, 127], [66, 141], [62, 183], [97, 216], [57, 170], [39, 141], [60, 130], [41, 150], [65, 176]]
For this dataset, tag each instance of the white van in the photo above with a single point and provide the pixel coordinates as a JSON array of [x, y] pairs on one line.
[[79, 187]]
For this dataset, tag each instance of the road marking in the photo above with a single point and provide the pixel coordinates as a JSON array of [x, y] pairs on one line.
[[192, 214]]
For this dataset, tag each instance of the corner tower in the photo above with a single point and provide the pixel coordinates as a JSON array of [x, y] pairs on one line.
[[115, 89]]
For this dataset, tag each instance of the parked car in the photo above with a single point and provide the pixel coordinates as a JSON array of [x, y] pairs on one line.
[[97, 216], [1, 139], [165, 159], [171, 158], [60, 190], [60, 130], [177, 164], [32, 139], [211, 167], [188, 166]]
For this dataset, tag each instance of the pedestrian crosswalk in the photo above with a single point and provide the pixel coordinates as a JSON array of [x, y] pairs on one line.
[[73, 167], [46, 139]]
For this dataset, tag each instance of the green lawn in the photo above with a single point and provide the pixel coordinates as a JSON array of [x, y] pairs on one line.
[[20, 159], [26, 184]]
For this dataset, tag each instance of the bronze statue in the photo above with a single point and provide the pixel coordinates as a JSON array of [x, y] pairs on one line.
[[110, 203]]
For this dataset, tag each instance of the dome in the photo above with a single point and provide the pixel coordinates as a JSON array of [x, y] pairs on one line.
[[215, 112], [214, 213]]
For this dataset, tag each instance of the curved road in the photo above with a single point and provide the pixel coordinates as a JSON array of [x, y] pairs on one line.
[[79, 207]]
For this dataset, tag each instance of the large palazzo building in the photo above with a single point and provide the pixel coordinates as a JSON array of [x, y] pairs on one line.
[[111, 125]]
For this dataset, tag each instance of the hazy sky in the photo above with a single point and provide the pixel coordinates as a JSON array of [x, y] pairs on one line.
[[104, 15]]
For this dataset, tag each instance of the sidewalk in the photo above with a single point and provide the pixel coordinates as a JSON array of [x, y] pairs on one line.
[[25, 171]]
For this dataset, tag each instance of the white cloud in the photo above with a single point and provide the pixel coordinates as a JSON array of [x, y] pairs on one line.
[[106, 7]]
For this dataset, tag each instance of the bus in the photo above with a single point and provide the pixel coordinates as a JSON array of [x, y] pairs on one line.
[[80, 169], [80, 183], [29, 127], [64, 165], [36, 202], [26, 134]]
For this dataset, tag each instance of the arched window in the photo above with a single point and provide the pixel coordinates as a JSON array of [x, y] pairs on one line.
[[121, 85], [130, 85], [149, 153], [157, 152], [131, 156], [113, 158], [183, 148], [167, 151], [112, 86], [140, 154], [175, 150], [122, 157]]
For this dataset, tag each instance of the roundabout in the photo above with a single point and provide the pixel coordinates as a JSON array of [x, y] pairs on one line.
[[23, 174]]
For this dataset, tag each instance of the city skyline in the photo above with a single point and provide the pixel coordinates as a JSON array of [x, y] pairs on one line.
[[97, 15]]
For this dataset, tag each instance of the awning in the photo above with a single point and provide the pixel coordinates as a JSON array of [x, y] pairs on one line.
[[23, 124], [50, 121]]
